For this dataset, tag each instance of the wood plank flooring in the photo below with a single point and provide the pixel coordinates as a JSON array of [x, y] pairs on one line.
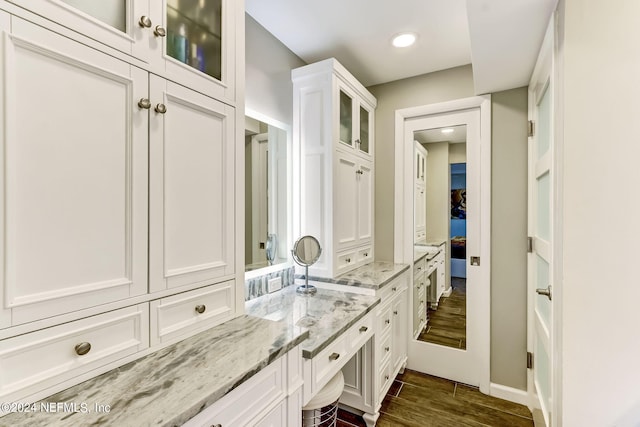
[[448, 324], [419, 400]]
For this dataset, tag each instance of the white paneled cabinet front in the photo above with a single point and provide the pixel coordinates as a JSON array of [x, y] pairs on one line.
[[74, 176], [333, 129], [192, 227]]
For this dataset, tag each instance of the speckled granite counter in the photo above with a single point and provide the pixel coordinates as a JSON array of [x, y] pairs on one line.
[[371, 276], [327, 314], [420, 252], [435, 242], [172, 385]]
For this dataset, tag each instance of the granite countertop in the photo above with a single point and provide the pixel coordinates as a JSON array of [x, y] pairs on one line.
[[432, 242], [172, 385], [371, 276], [326, 314], [420, 252]]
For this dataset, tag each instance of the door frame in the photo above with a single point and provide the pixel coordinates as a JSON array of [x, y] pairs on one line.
[[549, 62], [403, 211]]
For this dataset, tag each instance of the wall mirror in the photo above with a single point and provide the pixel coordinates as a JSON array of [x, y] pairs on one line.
[[267, 195], [440, 212]]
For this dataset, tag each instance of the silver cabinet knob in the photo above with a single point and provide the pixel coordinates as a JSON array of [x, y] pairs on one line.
[[395, 312], [545, 292], [386, 377], [334, 356], [82, 348], [348, 260], [363, 329], [394, 289], [144, 22], [159, 31], [161, 108], [144, 103], [386, 322], [201, 308], [387, 349]]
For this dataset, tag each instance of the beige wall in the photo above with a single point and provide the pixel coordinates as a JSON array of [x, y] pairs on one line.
[[426, 89], [509, 238], [600, 292], [458, 153], [269, 90], [437, 190], [508, 311]]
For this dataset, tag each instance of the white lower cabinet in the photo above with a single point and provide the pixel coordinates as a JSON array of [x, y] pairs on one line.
[[179, 316], [71, 349], [370, 373], [263, 400]]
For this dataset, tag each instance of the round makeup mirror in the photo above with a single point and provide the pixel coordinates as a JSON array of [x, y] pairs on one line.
[[306, 251]]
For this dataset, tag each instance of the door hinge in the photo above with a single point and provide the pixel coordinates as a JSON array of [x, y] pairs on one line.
[[530, 244], [531, 129], [529, 360]]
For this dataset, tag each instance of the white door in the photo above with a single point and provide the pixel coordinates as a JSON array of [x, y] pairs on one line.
[[73, 199], [192, 224], [458, 364], [540, 261]]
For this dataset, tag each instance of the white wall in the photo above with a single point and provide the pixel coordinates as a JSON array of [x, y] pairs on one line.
[[269, 90], [601, 289]]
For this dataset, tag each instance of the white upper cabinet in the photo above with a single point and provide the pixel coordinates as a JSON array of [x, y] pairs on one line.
[[192, 42], [333, 129], [74, 176], [192, 227]]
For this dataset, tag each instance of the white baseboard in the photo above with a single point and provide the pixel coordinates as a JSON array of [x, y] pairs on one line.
[[447, 293], [509, 393]]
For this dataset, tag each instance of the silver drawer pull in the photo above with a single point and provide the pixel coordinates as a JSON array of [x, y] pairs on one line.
[[394, 289], [159, 31], [144, 103], [363, 329], [334, 356], [82, 348], [144, 22], [216, 425], [386, 322], [201, 308], [347, 259], [395, 312]]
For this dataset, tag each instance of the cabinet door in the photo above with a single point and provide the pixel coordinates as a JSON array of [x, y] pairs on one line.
[[347, 117], [365, 202], [420, 201], [199, 46], [400, 329], [365, 130], [192, 185], [116, 23], [346, 200], [74, 176]]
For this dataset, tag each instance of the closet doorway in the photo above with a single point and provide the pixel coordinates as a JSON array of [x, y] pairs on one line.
[[468, 364]]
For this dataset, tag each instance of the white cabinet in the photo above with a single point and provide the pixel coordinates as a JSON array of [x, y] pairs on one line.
[[399, 336], [421, 283], [192, 220], [333, 130], [263, 400], [194, 42], [74, 193]]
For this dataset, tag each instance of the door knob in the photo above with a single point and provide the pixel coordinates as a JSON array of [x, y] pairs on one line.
[[546, 292]]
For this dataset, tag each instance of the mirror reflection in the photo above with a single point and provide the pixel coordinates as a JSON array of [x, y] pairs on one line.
[[440, 211], [266, 195]]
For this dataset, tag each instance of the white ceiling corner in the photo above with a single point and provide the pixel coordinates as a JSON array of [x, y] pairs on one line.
[[501, 38]]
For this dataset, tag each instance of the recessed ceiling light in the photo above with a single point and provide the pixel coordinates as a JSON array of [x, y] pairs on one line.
[[404, 39], [447, 130]]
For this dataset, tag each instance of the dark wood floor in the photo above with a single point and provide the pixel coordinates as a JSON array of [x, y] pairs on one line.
[[448, 324], [419, 400]]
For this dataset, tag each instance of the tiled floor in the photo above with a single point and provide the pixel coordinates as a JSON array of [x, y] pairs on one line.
[[419, 400], [447, 325]]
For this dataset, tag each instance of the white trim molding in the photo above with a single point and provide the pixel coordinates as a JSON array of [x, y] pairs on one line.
[[511, 394]]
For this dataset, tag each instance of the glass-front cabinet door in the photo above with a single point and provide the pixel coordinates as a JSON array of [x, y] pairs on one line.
[[366, 130], [199, 46], [346, 118], [121, 24]]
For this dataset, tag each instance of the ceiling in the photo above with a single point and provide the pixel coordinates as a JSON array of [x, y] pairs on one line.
[[500, 38], [458, 135]]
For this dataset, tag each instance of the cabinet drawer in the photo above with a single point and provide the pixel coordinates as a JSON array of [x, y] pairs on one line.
[[384, 378], [329, 361], [361, 332], [384, 348], [365, 255], [71, 349], [347, 261], [242, 405], [188, 313], [384, 319], [419, 267]]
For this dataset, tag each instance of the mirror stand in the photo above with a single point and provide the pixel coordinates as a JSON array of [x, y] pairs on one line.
[[306, 288], [306, 251]]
